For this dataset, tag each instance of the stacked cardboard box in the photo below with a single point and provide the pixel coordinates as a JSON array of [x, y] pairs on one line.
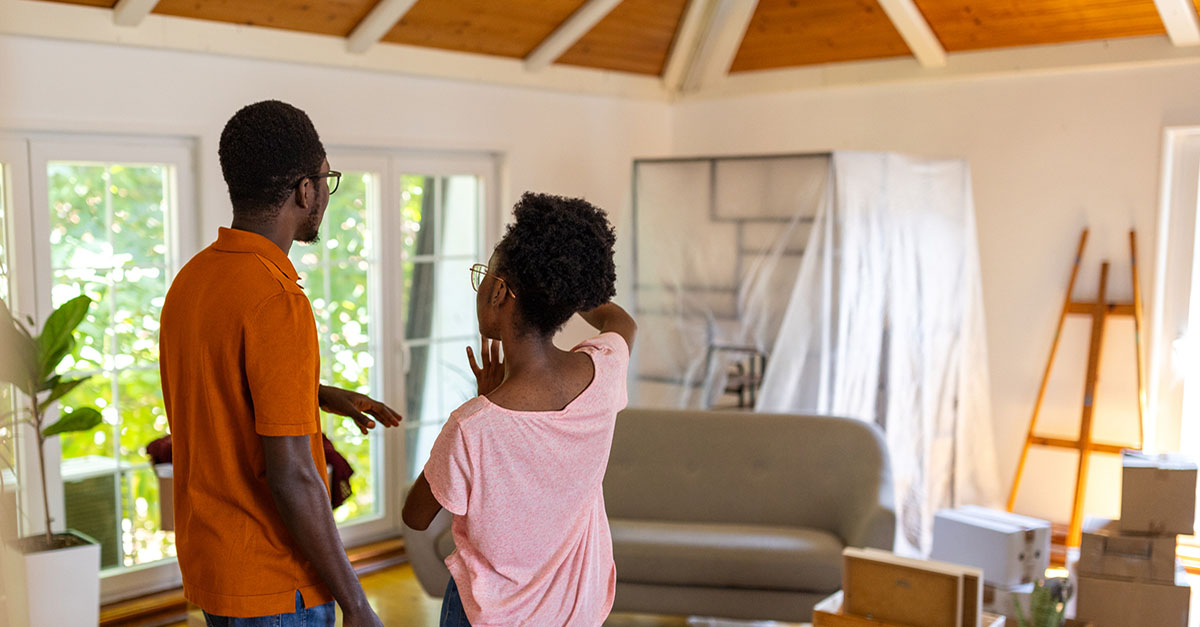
[[1128, 572], [1013, 551]]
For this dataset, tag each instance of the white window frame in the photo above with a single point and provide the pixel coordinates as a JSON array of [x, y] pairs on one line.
[[33, 277], [393, 359]]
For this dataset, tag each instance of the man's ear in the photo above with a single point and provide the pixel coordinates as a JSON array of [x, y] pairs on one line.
[[302, 194]]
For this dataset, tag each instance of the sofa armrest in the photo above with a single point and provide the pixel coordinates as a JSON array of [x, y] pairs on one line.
[[421, 547], [875, 529]]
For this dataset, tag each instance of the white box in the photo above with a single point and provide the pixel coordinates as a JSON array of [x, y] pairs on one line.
[[1108, 553], [1010, 549], [1158, 494], [1116, 603], [1001, 600]]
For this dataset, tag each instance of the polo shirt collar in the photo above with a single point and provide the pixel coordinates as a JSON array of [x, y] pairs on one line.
[[238, 241]]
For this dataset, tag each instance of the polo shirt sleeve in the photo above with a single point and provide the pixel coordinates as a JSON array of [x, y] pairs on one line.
[[283, 366], [448, 470]]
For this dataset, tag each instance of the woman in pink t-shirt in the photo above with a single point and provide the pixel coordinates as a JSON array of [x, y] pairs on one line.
[[521, 466]]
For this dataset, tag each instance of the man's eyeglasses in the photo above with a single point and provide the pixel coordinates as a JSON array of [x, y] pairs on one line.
[[332, 174], [478, 271]]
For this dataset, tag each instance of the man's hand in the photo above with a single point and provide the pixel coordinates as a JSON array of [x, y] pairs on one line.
[[490, 374], [356, 406]]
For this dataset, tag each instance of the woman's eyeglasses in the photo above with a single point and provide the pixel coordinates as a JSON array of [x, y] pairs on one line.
[[332, 174], [478, 271]]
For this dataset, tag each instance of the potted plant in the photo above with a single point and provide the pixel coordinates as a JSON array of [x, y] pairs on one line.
[[53, 561]]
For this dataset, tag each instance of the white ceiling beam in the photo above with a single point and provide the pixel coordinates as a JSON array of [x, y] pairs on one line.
[[720, 43], [569, 32], [132, 12], [916, 32], [687, 43], [376, 24], [1179, 16]]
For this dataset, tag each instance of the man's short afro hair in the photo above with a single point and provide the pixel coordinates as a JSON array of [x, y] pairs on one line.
[[557, 256], [265, 149]]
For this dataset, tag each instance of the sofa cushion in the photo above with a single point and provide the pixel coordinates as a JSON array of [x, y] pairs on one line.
[[726, 555]]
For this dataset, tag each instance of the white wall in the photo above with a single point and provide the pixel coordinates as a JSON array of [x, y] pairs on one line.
[[1049, 155]]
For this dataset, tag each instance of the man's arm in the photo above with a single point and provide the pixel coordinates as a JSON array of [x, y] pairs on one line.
[[609, 317], [420, 507], [303, 503]]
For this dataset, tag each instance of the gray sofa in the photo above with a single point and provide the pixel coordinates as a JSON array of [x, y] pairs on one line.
[[727, 514]]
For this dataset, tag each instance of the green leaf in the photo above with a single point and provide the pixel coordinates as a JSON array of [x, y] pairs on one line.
[[60, 389], [18, 353], [82, 419], [58, 336]]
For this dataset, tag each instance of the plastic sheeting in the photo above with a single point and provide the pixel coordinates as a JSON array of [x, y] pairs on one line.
[[854, 276]]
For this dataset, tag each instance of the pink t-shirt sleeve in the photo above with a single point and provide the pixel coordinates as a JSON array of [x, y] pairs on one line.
[[448, 470]]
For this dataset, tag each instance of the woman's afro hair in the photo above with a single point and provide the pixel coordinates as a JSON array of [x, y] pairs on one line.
[[557, 257], [265, 149]]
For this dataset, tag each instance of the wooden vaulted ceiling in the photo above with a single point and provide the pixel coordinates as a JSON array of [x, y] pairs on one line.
[[637, 35]]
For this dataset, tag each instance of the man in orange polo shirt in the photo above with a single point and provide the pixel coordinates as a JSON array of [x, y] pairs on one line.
[[240, 364]]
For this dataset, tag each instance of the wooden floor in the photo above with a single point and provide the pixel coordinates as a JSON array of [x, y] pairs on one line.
[[400, 602]]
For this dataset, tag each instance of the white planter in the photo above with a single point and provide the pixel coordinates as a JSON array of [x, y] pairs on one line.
[[64, 586]]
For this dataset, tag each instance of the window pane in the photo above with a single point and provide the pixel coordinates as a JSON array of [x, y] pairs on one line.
[[142, 538], [417, 209], [336, 277], [143, 419], [458, 382], [439, 380], [460, 197], [347, 218], [138, 214], [417, 280], [95, 392], [108, 240], [94, 346], [79, 216], [454, 309], [137, 299]]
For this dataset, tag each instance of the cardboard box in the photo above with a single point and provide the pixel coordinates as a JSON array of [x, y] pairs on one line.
[[1108, 553], [1000, 600], [886, 587], [1010, 549], [828, 613], [1117, 603], [1158, 494]]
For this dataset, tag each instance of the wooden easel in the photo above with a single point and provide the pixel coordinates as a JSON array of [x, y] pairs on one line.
[[1098, 311]]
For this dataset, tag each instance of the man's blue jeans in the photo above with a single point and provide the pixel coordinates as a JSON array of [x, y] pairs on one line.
[[319, 616]]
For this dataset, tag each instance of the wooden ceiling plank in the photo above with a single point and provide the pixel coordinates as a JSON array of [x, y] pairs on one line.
[[565, 36], [915, 31], [720, 43], [687, 43], [1179, 16], [376, 24], [132, 12]]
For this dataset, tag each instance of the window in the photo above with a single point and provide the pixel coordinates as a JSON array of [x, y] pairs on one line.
[[393, 320], [112, 217], [338, 273], [108, 240], [106, 215], [441, 240]]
